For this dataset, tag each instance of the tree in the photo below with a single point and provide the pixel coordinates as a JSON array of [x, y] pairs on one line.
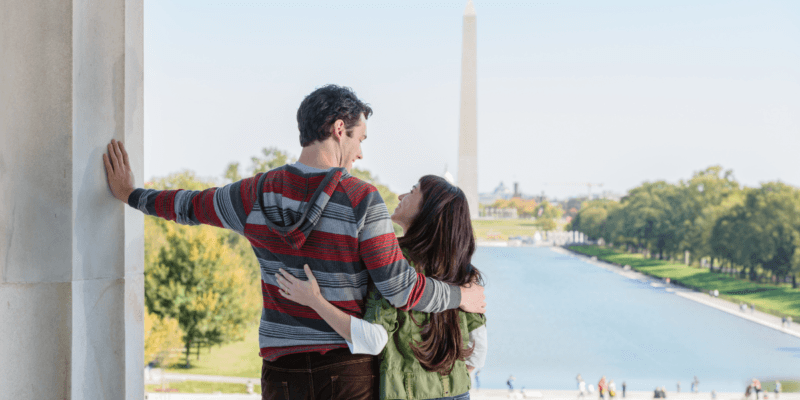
[[592, 219], [650, 212], [709, 194], [204, 278], [161, 336], [198, 281], [271, 158], [547, 214], [763, 232]]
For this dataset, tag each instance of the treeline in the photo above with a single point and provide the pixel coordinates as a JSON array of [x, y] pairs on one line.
[[203, 284], [750, 232]]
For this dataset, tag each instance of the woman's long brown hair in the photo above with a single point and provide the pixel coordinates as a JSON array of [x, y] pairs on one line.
[[440, 242]]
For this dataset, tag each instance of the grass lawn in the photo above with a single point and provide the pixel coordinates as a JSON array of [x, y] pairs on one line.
[[232, 359], [203, 387], [777, 300]]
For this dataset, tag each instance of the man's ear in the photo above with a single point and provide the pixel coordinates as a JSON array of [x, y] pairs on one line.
[[337, 130]]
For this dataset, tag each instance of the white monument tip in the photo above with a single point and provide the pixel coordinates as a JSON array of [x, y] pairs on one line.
[[470, 10]]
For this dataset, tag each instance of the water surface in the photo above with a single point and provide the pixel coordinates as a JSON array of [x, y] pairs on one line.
[[552, 316]]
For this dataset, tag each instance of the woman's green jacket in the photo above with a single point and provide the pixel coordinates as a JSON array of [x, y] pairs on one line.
[[401, 374]]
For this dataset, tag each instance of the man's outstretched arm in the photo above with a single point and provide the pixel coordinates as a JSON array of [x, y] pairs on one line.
[[221, 207]]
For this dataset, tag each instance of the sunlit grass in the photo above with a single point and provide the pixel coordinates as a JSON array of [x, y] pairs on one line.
[[780, 300], [233, 359]]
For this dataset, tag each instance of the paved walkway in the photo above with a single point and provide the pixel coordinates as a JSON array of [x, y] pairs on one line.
[[758, 317], [497, 394], [156, 375]]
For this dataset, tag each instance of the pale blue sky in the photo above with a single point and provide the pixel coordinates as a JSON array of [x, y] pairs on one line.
[[613, 92]]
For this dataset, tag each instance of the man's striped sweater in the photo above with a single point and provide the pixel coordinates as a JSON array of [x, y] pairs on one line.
[[330, 220]]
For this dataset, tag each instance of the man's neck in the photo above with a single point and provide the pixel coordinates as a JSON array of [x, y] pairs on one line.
[[318, 156]]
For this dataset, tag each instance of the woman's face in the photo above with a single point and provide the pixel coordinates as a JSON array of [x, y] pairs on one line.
[[408, 209]]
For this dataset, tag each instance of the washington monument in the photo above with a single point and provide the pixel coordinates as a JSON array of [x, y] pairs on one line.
[[468, 127]]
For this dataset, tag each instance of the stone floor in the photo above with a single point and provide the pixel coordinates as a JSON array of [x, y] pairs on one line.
[[492, 394]]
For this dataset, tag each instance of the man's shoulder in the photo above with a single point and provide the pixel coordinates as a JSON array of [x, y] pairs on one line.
[[357, 189]]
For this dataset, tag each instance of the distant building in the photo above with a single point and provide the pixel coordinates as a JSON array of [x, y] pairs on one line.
[[501, 192]]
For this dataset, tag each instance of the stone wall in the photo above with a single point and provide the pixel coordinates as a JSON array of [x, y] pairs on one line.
[[71, 256]]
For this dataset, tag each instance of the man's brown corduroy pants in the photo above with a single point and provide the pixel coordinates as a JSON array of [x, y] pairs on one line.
[[334, 375]]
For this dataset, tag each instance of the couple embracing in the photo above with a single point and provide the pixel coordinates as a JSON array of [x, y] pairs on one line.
[[338, 289]]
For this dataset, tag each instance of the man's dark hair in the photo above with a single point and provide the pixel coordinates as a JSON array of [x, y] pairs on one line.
[[320, 109]]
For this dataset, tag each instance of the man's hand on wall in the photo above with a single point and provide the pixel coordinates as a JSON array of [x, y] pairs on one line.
[[472, 298], [118, 171]]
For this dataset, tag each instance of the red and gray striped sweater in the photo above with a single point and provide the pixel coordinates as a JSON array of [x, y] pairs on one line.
[[330, 220]]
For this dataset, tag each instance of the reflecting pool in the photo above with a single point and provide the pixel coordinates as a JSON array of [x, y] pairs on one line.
[[552, 316]]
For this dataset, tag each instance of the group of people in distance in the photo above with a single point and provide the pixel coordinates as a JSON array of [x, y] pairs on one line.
[[755, 387], [605, 389], [338, 286]]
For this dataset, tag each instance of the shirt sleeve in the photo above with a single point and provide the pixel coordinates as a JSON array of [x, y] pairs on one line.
[[223, 207], [478, 357], [394, 278], [367, 338]]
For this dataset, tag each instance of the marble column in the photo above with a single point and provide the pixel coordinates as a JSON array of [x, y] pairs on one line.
[[71, 284], [468, 127]]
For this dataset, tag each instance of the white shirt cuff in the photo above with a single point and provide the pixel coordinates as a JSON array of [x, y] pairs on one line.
[[367, 338], [478, 357]]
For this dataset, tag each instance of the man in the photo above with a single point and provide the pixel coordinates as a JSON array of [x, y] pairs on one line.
[[311, 212]]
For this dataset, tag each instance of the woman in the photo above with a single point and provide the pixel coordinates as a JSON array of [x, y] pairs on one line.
[[423, 356]]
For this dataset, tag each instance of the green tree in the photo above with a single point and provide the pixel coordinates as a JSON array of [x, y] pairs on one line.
[[161, 336], [709, 195], [763, 232], [197, 280], [203, 277], [649, 216], [270, 158], [547, 214], [593, 218]]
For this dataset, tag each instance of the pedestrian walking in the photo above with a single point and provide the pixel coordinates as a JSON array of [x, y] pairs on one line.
[[695, 385], [777, 388], [757, 387], [678, 386], [581, 388], [509, 382], [601, 388], [623, 389], [477, 379]]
